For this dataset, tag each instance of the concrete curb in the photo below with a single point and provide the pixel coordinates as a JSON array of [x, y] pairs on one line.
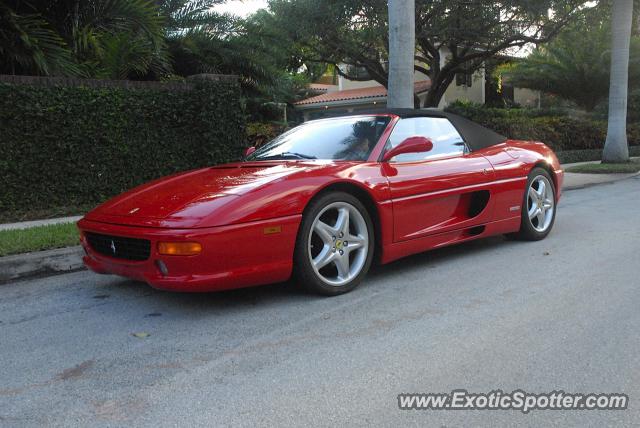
[[48, 262], [584, 181]]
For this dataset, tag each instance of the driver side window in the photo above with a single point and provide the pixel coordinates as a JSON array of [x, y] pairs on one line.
[[446, 139]]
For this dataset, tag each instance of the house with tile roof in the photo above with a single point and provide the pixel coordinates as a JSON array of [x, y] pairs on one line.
[[344, 96]]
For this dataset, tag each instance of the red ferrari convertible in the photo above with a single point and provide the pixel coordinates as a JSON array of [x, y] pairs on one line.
[[323, 201]]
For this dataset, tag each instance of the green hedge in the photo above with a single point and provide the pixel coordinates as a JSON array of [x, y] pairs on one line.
[[572, 156], [76, 146], [480, 112], [554, 128]]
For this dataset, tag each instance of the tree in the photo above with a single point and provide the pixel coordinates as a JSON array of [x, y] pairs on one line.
[[576, 65], [29, 45], [616, 147], [285, 75], [152, 40], [402, 49], [202, 41], [452, 36], [92, 38]]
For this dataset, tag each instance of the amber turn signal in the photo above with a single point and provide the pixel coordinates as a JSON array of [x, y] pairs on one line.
[[179, 248]]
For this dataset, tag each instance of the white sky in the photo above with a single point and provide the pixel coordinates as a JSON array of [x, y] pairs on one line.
[[241, 8]]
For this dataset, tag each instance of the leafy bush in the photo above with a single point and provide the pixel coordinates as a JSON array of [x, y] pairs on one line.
[[633, 108], [72, 146], [259, 133], [571, 156], [554, 128], [480, 111]]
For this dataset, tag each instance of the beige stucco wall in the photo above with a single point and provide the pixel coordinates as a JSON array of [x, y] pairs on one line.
[[475, 93], [345, 84], [526, 97]]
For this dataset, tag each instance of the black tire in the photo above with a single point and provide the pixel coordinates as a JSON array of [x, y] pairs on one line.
[[304, 273], [527, 230]]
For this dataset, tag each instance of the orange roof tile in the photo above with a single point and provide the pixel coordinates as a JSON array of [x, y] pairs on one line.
[[321, 87], [360, 93]]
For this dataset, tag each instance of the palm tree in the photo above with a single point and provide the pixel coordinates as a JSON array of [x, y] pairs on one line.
[[94, 38], [616, 148], [115, 39], [402, 42], [200, 40], [576, 65], [184, 15], [29, 45]]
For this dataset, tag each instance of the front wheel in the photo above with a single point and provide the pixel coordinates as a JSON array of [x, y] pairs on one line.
[[538, 206], [335, 244]]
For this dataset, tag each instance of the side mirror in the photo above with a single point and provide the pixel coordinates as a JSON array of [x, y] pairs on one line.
[[410, 145], [249, 151]]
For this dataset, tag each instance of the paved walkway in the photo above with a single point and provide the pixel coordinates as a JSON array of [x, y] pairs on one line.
[[574, 181], [34, 223], [571, 181]]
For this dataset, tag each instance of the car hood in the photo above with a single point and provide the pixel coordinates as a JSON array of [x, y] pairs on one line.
[[183, 200]]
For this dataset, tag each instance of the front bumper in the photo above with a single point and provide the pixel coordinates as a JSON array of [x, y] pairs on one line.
[[233, 256]]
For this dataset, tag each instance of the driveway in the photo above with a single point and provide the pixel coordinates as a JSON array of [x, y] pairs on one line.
[[562, 313]]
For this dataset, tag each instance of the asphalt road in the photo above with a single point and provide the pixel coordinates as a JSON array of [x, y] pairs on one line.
[[563, 313]]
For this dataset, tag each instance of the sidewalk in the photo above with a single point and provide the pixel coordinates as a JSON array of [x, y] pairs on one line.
[[24, 265], [34, 223], [573, 181]]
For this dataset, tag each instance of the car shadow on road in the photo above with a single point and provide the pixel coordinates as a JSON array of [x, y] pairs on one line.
[[230, 299], [431, 259], [290, 292]]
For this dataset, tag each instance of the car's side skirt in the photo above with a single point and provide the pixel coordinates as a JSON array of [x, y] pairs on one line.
[[398, 250]]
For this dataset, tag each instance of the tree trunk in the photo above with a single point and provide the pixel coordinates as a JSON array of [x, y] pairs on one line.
[[439, 85], [416, 101], [433, 98], [616, 148], [402, 47]]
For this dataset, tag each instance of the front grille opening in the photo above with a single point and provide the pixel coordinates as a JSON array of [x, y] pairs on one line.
[[119, 247]]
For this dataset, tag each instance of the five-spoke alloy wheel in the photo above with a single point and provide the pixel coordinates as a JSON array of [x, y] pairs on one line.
[[335, 244], [540, 203], [538, 207]]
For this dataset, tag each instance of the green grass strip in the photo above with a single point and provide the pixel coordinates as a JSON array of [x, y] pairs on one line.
[[38, 238], [607, 168]]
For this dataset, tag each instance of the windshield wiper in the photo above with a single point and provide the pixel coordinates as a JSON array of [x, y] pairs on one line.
[[286, 155]]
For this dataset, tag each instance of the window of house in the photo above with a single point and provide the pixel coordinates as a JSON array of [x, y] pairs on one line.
[[357, 72], [446, 140], [464, 79]]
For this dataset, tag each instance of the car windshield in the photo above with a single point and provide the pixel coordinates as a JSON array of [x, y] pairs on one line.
[[349, 138]]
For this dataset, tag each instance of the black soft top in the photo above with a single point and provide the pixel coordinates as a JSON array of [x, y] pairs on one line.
[[476, 136]]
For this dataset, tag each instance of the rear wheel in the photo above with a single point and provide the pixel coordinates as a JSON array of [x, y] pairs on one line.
[[335, 244], [538, 206]]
